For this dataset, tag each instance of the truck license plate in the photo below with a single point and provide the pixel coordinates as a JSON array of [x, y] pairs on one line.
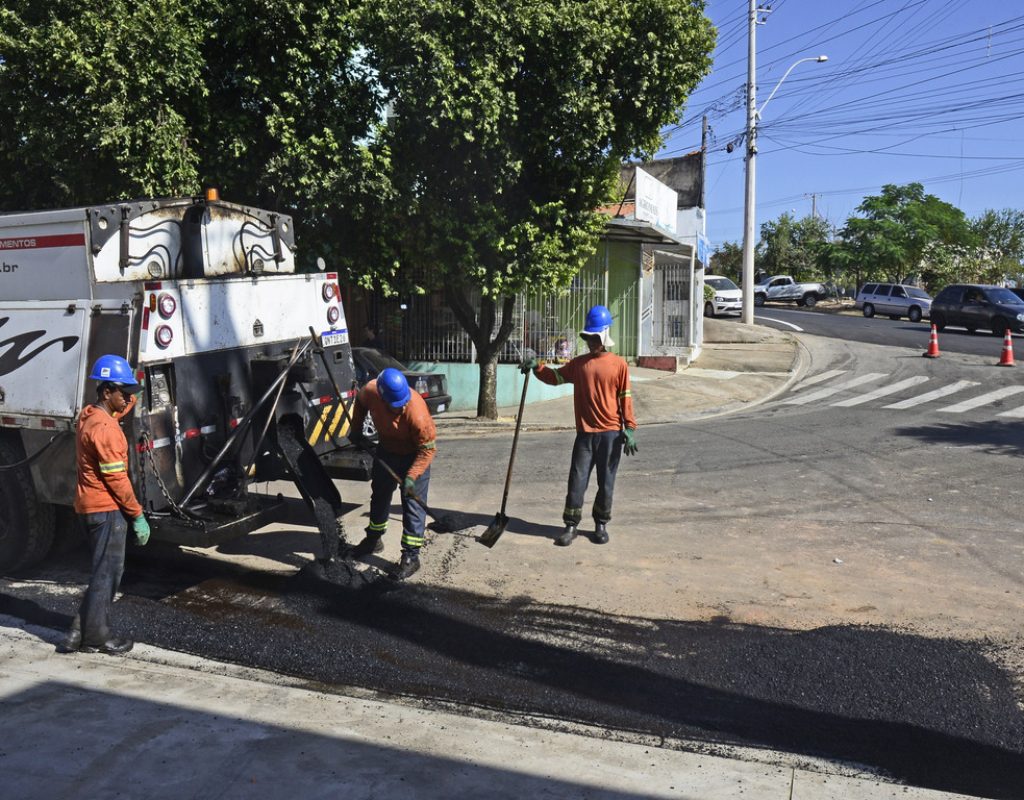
[[332, 338]]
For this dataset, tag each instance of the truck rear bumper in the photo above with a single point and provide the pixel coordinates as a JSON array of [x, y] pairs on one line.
[[211, 529]]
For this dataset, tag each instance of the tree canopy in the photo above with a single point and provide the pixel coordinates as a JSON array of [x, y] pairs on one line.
[[115, 99], [506, 137], [902, 232], [794, 247]]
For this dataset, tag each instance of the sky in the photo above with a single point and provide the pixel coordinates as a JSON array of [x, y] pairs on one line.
[[913, 90]]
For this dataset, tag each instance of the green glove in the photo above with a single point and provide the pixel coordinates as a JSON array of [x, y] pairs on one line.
[[409, 486], [629, 435], [529, 364], [141, 529]]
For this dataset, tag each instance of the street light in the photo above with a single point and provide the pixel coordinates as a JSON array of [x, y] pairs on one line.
[[749, 221]]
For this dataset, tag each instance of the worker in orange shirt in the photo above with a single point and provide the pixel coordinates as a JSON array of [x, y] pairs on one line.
[[105, 501], [605, 424], [406, 444]]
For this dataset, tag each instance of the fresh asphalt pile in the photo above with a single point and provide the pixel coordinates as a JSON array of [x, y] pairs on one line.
[[931, 712]]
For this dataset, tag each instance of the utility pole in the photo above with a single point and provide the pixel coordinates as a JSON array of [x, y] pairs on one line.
[[814, 203], [749, 215]]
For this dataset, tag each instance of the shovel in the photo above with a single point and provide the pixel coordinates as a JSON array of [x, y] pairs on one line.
[[497, 527]]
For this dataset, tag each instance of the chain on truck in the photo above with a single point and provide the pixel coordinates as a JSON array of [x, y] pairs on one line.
[[203, 297]]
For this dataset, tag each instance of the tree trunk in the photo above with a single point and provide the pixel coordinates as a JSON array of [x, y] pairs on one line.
[[487, 399], [480, 324]]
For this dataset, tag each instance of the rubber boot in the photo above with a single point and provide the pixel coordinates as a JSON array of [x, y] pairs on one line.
[[407, 567], [600, 533], [370, 544], [566, 537]]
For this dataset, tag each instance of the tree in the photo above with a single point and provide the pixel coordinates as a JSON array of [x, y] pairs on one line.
[[111, 99], [508, 135], [727, 260], [1001, 239], [793, 247], [94, 108], [901, 233]]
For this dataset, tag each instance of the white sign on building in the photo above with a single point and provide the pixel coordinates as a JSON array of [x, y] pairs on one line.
[[655, 202]]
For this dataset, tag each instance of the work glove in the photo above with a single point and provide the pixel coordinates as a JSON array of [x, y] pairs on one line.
[[529, 365], [141, 529], [409, 486], [629, 438]]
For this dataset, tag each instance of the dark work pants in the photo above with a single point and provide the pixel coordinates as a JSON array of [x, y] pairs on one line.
[[382, 487], [108, 532], [593, 450]]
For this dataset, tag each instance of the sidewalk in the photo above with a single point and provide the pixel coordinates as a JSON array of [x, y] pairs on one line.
[[739, 367], [159, 724]]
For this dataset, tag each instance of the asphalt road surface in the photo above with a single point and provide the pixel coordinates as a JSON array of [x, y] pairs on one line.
[[879, 330], [905, 659]]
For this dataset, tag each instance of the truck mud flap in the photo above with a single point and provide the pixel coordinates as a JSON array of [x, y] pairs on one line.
[[313, 483], [208, 531]]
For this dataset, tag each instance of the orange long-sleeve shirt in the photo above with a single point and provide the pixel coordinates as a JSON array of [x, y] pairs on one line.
[[101, 452], [602, 397], [405, 433]]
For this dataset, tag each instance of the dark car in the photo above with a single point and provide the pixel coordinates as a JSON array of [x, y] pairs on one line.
[[1019, 292], [976, 306], [431, 386]]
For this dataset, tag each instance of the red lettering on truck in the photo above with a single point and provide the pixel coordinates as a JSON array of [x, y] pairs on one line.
[[37, 242]]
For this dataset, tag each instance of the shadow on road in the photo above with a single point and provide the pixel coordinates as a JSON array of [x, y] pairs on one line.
[[994, 436]]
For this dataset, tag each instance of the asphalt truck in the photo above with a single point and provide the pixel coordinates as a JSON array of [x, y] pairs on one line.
[[244, 364]]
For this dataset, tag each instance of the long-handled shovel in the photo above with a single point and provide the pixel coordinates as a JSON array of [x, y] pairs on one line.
[[497, 527]]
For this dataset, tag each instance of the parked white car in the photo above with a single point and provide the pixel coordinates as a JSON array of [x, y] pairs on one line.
[[728, 297]]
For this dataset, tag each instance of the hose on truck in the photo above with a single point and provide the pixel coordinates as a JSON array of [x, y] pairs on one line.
[[26, 461]]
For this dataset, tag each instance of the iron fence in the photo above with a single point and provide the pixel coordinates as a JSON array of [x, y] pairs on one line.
[[424, 328]]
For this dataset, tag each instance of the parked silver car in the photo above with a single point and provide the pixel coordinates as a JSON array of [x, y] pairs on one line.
[[894, 300]]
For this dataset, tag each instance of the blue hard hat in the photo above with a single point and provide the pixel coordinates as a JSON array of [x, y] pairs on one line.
[[599, 319], [113, 369], [393, 387]]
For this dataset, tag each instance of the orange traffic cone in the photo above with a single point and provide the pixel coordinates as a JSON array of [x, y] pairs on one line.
[[933, 344], [1006, 360]]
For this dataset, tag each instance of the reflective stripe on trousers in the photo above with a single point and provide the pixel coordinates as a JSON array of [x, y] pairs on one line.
[[382, 488]]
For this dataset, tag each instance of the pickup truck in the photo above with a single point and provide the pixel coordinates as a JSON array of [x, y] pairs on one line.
[[783, 288]]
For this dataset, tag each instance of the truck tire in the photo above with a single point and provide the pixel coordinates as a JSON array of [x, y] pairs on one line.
[[810, 300], [26, 525], [759, 300]]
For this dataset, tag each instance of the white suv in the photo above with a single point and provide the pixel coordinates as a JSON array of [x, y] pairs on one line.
[[728, 297]]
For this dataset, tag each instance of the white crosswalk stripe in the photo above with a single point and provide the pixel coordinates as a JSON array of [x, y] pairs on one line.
[[883, 392], [982, 400], [1016, 413], [927, 397], [828, 391]]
